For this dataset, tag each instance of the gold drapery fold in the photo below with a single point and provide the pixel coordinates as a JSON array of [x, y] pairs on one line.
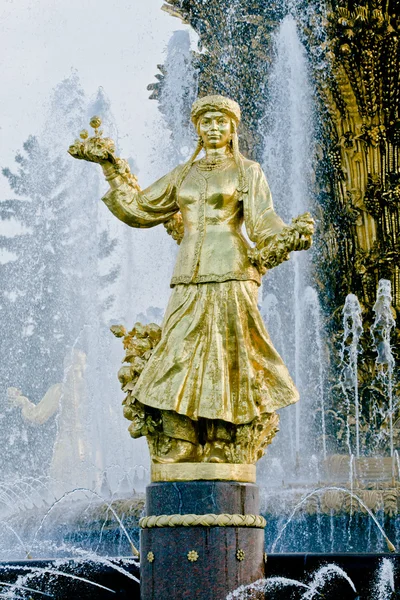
[[215, 359]]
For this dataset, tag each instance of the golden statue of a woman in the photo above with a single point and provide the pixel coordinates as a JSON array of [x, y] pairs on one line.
[[206, 386]]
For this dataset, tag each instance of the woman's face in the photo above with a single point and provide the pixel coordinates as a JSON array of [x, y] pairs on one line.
[[215, 129]]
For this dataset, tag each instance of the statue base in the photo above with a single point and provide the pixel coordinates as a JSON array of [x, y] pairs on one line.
[[200, 540]]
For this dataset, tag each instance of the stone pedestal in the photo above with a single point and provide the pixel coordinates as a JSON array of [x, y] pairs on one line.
[[195, 556]]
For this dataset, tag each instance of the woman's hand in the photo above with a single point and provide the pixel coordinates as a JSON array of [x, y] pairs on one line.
[[101, 150], [303, 228], [277, 248], [14, 396], [95, 149]]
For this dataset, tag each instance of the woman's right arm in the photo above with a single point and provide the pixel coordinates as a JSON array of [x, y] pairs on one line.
[[152, 206], [41, 412]]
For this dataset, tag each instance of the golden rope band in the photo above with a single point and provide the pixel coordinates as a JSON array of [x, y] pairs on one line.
[[203, 521], [203, 471]]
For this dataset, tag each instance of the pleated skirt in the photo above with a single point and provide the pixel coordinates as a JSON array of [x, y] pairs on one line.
[[215, 359]]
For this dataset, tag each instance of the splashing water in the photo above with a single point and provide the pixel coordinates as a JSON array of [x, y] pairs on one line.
[[271, 313], [109, 507], [353, 329], [178, 92], [311, 304], [289, 149], [89, 557], [264, 585], [339, 489], [34, 573], [50, 571], [323, 576], [385, 581], [17, 586], [22, 544], [381, 330], [75, 315], [320, 578]]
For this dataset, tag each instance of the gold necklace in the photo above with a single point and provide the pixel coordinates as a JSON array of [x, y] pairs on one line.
[[219, 161]]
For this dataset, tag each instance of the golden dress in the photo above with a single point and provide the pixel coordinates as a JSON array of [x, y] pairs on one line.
[[215, 359]]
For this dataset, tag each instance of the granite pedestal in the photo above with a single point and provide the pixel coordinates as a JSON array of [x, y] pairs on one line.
[[200, 562]]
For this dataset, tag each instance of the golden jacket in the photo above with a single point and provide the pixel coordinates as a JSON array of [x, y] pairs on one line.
[[213, 248]]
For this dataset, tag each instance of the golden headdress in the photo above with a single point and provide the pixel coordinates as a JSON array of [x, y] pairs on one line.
[[217, 102]]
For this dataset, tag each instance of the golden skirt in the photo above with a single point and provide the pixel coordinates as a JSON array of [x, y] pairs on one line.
[[215, 359]]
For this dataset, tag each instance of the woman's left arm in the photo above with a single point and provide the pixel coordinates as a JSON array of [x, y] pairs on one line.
[[261, 220], [274, 240]]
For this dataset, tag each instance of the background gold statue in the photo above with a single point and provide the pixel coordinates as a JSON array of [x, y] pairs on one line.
[[205, 387], [72, 456]]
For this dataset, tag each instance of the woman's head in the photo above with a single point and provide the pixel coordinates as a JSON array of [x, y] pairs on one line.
[[215, 129], [216, 119]]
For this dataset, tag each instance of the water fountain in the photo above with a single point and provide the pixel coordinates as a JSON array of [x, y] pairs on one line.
[[331, 482]]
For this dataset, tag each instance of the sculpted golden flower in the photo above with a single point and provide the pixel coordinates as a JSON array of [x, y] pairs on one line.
[[125, 375], [240, 554], [95, 122], [118, 330], [192, 555], [94, 149]]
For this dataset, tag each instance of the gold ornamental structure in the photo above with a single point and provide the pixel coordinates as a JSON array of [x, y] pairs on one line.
[[355, 58]]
